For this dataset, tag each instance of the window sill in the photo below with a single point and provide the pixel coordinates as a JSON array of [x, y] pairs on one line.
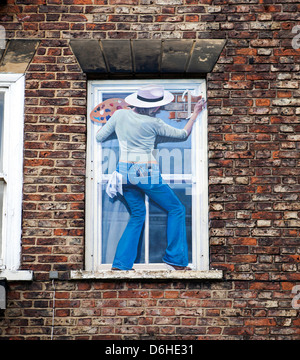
[[16, 275], [147, 274]]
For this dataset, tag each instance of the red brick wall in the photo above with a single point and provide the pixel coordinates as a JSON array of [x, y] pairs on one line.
[[254, 186]]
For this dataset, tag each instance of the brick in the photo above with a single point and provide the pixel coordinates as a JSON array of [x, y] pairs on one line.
[[260, 322], [122, 18], [31, 18], [73, 18], [55, 84], [123, 2]]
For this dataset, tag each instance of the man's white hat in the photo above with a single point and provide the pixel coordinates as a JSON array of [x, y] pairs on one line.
[[150, 96]]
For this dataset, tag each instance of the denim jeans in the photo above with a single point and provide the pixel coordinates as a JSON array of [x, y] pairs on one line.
[[145, 178]]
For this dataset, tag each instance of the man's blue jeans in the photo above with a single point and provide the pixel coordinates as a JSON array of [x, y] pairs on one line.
[[141, 179]]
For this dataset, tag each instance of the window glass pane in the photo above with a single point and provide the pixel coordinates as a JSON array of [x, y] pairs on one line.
[[110, 147], [1, 129], [158, 223], [115, 217], [174, 155], [1, 214], [112, 230], [1, 164]]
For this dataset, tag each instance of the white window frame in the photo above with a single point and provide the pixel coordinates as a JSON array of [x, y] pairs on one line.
[[200, 229], [13, 85]]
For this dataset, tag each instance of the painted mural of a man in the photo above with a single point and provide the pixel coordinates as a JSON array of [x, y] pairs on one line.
[[136, 130]]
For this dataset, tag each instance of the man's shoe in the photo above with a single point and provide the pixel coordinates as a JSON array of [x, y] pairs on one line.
[[176, 267]]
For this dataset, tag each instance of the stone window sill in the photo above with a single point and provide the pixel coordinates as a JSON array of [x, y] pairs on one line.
[[16, 275], [147, 274]]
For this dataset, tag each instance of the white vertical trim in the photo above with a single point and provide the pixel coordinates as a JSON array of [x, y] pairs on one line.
[[89, 194], [13, 168], [195, 207], [3, 228], [146, 232], [202, 187], [98, 192]]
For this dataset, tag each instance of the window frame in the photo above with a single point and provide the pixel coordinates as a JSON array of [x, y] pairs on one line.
[[13, 134], [200, 229]]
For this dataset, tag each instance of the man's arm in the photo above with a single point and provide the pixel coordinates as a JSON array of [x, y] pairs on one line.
[[197, 110], [107, 129]]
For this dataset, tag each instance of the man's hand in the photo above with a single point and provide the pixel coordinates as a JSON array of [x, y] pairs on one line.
[[200, 105]]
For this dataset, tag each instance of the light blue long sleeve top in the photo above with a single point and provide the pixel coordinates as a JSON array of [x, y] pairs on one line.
[[137, 134]]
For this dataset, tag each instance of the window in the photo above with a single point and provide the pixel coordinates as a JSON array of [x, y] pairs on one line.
[[11, 169], [183, 166], [2, 177]]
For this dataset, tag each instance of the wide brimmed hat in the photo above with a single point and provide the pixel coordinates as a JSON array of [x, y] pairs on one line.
[[150, 96]]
